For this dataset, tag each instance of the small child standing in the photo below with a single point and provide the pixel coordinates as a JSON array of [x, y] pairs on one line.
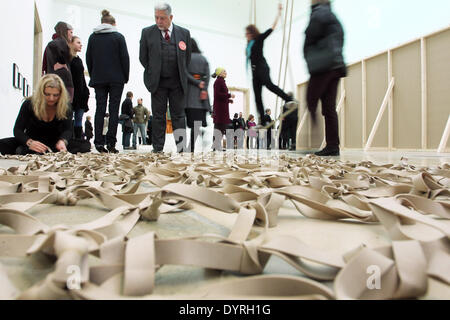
[[222, 100]]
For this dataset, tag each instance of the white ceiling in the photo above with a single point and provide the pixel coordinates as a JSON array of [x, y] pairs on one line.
[[227, 17]]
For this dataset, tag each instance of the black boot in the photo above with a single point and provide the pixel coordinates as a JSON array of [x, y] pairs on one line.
[[78, 131], [329, 152]]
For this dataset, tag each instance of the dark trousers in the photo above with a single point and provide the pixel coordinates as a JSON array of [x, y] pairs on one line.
[[292, 134], [126, 136], [12, 146], [261, 77], [114, 92], [176, 98], [323, 87]]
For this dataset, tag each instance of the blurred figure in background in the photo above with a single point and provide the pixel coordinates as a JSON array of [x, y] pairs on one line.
[[198, 104], [324, 41]]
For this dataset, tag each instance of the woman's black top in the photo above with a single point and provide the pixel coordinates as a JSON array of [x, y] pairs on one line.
[[28, 126], [257, 56], [81, 91]]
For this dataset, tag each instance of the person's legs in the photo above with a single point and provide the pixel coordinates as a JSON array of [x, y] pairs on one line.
[[115, 95], [264, 75], [257, 89], [329, 112], [178, 117], [8, 146], [135, 131], [141, 127], [159, 110], [101, 96], [316, 88], [292, 135], [78, 123]]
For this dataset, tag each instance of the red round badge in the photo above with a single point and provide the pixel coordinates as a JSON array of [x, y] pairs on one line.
[[182, 45]]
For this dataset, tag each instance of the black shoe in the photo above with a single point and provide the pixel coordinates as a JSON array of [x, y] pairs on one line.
[[101, 149], [328, 152], [292, 148], [157, 151], [112, 149]]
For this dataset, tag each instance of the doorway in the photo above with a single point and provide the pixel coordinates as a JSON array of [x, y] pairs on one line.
[[37, 53]]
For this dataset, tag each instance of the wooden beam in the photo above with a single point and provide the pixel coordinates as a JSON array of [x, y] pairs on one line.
[[364, 101], [343, 116], [445, 137], [391, 105], [380, 115], [424, 85]]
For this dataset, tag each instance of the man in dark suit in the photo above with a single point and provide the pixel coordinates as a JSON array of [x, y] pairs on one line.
[[267, 120], [165, 52]]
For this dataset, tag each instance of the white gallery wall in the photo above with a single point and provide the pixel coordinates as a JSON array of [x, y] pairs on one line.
[[371, 26], [16, 36]]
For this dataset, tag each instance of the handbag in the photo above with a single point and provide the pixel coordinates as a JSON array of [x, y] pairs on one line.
[[203, 95], [78, 146]]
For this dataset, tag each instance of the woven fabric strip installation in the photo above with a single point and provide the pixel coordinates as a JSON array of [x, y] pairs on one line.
[[412, 204]]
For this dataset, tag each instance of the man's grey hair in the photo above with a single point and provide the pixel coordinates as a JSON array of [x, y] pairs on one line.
[[163, 6]]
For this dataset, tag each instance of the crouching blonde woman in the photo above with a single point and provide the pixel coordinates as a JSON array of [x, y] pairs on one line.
[[44, 123]]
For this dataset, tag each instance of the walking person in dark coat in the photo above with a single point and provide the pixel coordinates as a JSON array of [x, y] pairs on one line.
[[323, 47], [109, 67], [260, 68], [222, 100], [81, 91], [289, 129], [127, 120], [57, 56], [165, 53], [88, 129], [197, 95]]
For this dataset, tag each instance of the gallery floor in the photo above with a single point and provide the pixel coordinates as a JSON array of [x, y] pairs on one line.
[[336, 237]]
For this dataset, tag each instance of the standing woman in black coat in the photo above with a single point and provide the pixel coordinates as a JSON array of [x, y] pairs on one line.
[[323, 47], [57, 56], [81, 91], [260, 68]]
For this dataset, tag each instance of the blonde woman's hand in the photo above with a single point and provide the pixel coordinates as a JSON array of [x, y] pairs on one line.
[[37, 146], [61, 146], [233, 96]]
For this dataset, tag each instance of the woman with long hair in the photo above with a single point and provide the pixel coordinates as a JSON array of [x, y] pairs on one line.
[[57, 56], [44, 123], [81, 91], [260, 68]]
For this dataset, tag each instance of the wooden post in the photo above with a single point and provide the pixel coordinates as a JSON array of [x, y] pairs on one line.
[[343, 115], [380, 115], [364, 102], [424, 85], [445, 137], [391, 104]]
